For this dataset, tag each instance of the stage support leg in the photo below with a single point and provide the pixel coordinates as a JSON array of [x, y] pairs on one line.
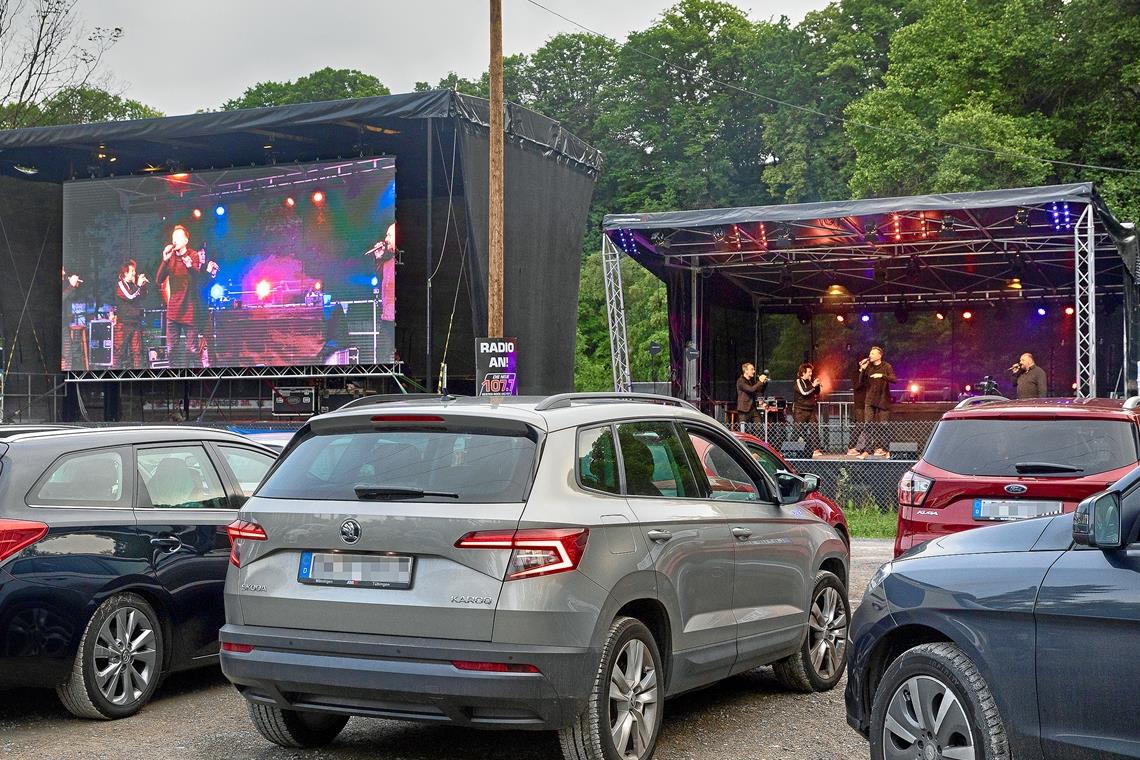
[[428, 369], [1084, 245], [615, 315]]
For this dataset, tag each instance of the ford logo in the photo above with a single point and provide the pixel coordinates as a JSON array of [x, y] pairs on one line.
[[1015, 488], [350, 531]]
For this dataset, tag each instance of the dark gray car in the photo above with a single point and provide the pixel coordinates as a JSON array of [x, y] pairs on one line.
[[557, 564], [1013, 641]]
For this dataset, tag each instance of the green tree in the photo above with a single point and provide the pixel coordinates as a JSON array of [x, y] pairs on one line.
[[325, 84], [83, 104]]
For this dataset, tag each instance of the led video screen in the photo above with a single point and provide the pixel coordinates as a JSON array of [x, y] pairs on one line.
[[273, 266]]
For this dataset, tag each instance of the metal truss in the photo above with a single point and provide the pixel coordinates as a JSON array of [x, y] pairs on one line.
[[393, 370], [615, 315], [1084, 260]]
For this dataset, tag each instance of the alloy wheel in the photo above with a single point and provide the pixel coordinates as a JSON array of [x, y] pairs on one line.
[[925, 721], [125, 656], [633, 700], [827, 633]]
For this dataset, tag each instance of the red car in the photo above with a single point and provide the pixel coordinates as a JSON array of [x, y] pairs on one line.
[[768, 458], [1012, 460]]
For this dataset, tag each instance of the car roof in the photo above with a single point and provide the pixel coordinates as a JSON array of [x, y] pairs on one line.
[[1077, 408], [118, 436], [572, 410]]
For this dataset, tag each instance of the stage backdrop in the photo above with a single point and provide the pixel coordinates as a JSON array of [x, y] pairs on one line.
[[270, 266]]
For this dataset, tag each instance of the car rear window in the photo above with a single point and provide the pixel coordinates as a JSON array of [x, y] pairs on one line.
[[477, 467], [994, 447]]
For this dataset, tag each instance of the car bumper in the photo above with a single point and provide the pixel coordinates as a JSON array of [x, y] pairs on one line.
[[409, 678]]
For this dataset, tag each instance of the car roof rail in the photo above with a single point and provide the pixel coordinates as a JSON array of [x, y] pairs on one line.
[[392, 398], [1132, 403], [966, 403], [564, 400]]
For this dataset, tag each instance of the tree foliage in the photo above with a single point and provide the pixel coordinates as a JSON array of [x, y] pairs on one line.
[[325, 84]]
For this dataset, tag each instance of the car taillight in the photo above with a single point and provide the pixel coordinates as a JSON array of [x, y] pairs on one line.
[[913, 489], [19, 534], [229, 646], [493, 667], [241, 530], [534, 552]]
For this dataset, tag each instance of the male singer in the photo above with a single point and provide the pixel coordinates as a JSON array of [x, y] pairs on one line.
[[876, 376], [384, 253], [129, 295], [1031, 381], [805, 409], [183, 269], [748, 389]]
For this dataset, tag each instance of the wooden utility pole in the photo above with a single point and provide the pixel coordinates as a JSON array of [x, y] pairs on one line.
[[495, 176]]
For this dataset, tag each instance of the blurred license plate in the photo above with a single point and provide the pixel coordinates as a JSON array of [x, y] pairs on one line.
[[365, 570], [1014, 509]]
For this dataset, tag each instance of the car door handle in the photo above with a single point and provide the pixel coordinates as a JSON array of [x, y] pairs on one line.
[[659, 535], [170, 543], [742, 533]]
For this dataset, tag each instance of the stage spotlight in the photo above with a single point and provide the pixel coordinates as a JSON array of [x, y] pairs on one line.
[[915, 389], [881, 273], [196, 213], [865, 318], [871, 234], [804, 315], [939, 316], [901, 314], [1041, 311], [967, 314], [218, 292], [318, 197], [1074, 386], [263, 289], [1070, 311], [840, 318], [375, 280], [786, 277], [220, 210], [1014, 284], [968, 388], [290, 202], [718, 234], [1021, 218], [317, 285], [913, 268], [947, 224]]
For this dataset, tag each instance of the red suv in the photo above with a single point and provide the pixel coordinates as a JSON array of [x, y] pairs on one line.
[[1011, 460]]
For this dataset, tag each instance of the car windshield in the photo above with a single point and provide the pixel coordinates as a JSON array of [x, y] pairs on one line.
[[451, 466], [1045, 447]]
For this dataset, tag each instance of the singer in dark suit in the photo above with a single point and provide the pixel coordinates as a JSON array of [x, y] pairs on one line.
[[748, 388], [1031, 380]]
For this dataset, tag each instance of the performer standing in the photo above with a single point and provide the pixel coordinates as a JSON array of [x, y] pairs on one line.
[[858, 438], [875, 377], [748, 388], [71, 283], [129, 295], [384, 252], [805, 407], [1031, 380], [183, 269]]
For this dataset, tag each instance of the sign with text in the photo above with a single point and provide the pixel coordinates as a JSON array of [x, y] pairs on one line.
[[496, 366]]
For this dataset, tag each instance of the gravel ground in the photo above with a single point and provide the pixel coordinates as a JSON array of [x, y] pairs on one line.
[[198, 715]]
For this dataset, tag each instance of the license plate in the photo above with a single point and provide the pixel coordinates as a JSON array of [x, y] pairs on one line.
[[1014, 509], [361, 570]]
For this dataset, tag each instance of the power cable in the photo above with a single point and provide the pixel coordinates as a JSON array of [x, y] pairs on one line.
[[830, 117]]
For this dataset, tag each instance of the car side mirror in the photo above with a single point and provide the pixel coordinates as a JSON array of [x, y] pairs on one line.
[[791, 487], [1096, 523], [811, 482]]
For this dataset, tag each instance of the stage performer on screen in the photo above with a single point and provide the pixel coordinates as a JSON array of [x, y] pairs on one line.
[[130, 292], [384, 253], [183, 271], [71, 283]]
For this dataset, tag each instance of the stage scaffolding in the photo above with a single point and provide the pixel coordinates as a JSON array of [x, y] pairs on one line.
[[920, 253], [392, 370]]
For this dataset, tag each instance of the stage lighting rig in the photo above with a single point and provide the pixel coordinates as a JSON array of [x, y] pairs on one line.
[[1021, 218], [901, 314], [881, 272]]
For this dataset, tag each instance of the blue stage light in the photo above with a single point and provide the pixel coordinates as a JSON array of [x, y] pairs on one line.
[[1040, 311], [220, 210], [218, 292], [375, 280], [866, 317]]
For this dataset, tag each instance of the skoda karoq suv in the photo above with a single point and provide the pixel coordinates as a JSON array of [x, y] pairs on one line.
[[561, 563]]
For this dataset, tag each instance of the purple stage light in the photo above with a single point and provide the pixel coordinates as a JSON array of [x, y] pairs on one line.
[[866, 317], [1040, 311]]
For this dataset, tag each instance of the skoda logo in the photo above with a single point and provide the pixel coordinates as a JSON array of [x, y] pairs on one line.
[[1015, 488], [350, 531]]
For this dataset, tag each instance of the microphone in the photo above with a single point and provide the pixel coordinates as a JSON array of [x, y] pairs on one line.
[[1015, 368]]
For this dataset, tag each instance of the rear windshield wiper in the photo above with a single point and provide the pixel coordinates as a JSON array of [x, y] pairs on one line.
[[1045, 467], [385, 493]]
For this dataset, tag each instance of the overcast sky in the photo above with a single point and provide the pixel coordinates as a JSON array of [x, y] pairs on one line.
[[180, 57]]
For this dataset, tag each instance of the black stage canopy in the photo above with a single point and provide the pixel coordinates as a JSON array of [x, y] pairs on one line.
[[440, 141]]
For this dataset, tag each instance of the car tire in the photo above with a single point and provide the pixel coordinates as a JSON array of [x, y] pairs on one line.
[[822, 657], [935, 671], [118, 664], [294, 729], [629, 648]]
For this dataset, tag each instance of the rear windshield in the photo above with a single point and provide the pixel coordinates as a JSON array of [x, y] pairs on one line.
[[476, 467], [995, 447]]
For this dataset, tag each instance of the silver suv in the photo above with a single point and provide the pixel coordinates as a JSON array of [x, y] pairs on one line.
[[561, 563]]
